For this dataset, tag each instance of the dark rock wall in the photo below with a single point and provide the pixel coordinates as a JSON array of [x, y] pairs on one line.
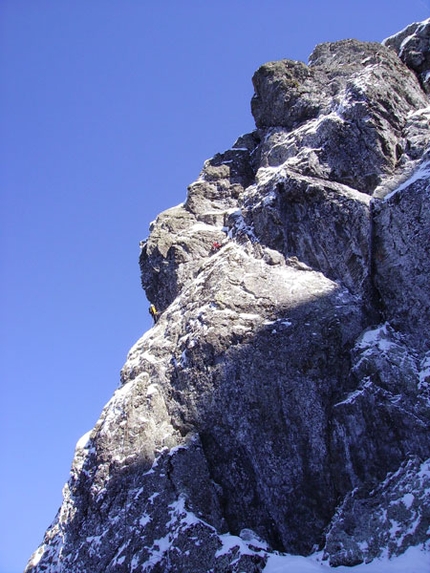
[[402, 257]]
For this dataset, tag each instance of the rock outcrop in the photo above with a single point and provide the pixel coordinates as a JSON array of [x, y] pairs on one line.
[[412, 46], [281, 401]]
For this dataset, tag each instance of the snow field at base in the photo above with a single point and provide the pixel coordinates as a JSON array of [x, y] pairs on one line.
[[413, 561]]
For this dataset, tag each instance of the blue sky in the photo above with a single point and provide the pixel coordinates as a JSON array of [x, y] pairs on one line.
[[107, 111]]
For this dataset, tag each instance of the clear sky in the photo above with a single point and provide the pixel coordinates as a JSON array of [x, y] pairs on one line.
[[108, 109]]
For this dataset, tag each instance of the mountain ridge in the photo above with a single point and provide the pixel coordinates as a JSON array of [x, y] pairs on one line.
[[281, 401]]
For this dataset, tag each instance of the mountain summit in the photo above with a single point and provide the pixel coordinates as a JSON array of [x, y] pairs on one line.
[[281, 402]]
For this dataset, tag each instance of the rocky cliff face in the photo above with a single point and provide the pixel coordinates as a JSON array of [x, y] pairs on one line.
[[281, 401]]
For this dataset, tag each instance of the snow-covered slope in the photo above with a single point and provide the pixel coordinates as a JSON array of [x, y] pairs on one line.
[[277, 415]]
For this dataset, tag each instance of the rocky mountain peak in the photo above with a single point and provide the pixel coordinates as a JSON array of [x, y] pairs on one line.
[[412, 46], [281, 400]]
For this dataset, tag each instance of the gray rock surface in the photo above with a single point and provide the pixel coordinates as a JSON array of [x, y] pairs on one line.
[[281, 401], [395, 515], [401, 249], [412, 46], [352, 102]]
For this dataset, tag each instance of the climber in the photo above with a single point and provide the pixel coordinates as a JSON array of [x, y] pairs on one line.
[[215, 246], [153, 312]]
